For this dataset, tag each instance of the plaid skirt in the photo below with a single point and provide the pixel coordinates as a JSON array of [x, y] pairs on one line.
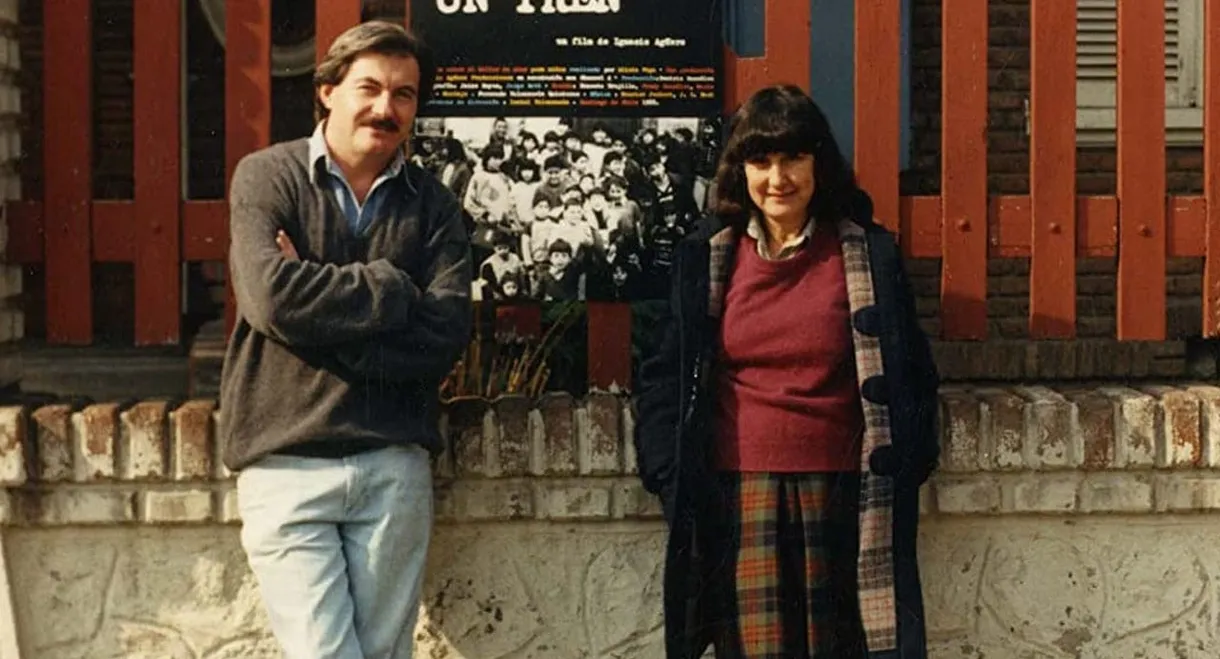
[[780, 552]]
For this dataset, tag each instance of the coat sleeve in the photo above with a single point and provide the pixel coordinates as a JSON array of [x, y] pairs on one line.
[[659, 401], [923, 378]]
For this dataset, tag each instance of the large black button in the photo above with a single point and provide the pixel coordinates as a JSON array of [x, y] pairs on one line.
[[876, 390], [868, 321], [882, 461]]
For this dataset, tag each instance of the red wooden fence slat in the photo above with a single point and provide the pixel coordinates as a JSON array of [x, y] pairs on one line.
[[1052, 170], [1096, 226], [1008, 226], [785, 58], [67, 168], [878, 39], [406, 16], [114, 234], [920, 226], [1186, 226], [1211, 166], [205, 230], [1141, 170], [156, 108], [609, 347], [332, 18], [247, 92], [964, 170]]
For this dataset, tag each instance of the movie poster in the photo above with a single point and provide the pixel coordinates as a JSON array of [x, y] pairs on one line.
[[580, 137]]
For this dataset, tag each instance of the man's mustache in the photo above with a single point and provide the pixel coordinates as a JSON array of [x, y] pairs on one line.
[[388, 125]]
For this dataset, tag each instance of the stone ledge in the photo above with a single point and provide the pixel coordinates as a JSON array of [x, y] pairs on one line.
[[1023, 449]]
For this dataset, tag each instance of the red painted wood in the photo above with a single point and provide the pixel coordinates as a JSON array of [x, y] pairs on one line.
[[878, 41], [1186, 217], [964, 170], [920, 226], [247, 91], [205, 230], [1097, 226], [115, 232], [157, 108], [1141, 170], [785, 60], [332, 18], [1052, 170], [67, 169], [609, 346], [1211, 167]]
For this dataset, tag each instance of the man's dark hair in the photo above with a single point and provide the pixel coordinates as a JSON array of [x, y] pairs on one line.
[[379, 37]]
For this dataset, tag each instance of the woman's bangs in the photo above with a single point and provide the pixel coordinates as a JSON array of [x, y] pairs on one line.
[[759, 141]]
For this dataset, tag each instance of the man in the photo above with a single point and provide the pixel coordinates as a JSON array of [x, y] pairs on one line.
[[352, 273]]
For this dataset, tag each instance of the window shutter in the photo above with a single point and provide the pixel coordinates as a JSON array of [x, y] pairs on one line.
[[1097, 52]]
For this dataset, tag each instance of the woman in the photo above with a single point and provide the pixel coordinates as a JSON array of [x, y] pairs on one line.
[[788, 417]]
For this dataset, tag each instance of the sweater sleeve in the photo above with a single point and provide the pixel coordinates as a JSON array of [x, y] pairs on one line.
[[303, 303], [442, 320]]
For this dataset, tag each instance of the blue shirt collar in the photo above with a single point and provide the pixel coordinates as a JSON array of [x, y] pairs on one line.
[[319, 151]]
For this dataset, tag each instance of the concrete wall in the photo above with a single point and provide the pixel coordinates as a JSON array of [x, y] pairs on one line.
[[1063, 524]]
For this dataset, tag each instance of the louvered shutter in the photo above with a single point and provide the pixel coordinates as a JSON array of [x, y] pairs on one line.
[[1097, 52]]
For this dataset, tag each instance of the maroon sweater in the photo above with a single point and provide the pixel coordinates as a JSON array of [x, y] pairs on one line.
[[787, 396]]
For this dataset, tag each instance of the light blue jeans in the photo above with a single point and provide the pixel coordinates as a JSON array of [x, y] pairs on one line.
[[338, 547]]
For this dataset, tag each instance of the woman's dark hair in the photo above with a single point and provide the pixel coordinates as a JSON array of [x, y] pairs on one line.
[[782, 119]]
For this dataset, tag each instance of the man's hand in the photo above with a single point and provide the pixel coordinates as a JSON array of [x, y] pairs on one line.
[[285, 245]]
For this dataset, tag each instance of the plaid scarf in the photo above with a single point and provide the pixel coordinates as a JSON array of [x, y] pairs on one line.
[[875, 567]]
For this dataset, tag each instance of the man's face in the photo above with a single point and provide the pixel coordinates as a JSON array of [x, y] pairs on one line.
[[499, 128], [657, 170], [618, 167], [618, 146], [510, 288], [493, 164], [572, 142], [553, 175], [615, 192], [373, 108], [599, 137], [620, 276], [560, 259], [597, 201], [527, 175], [502, 251], [581, 164], [542, 208]]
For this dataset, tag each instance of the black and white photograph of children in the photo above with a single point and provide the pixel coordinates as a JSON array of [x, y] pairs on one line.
[[573, 209]]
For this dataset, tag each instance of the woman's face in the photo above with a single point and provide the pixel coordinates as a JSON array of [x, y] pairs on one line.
[[781, 185]]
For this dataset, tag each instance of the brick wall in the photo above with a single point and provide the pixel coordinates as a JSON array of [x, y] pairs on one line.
[[1110, 448]]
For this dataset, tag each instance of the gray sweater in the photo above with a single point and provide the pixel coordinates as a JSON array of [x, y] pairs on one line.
[[344, 349]]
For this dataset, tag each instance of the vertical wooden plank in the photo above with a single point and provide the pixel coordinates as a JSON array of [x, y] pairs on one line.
[[785, 58], [1052, 170], [332, 18], [157, 170], [406, 15], [878, 38], [1211, 166], [247, 92], [964, 169], [68, 170], [1141, 170], [609, 346]]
